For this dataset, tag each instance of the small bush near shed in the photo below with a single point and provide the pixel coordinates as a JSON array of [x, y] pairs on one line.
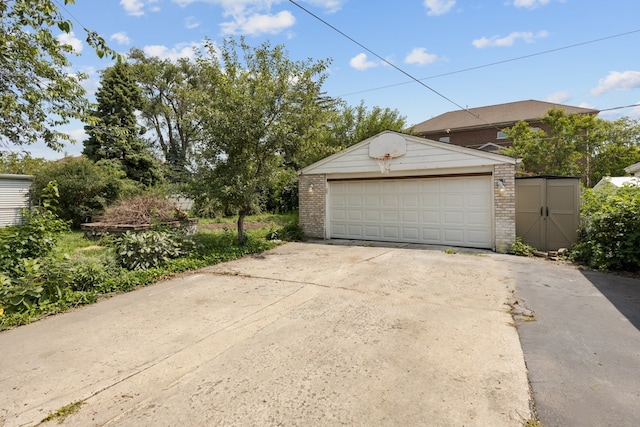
[[610, 230]]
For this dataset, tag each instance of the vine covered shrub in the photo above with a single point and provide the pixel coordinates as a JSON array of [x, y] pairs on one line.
[[610, 230]]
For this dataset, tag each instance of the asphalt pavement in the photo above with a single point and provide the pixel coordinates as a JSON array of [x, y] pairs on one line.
[[583, 349]]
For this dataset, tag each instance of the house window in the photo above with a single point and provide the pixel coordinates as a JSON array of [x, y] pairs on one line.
[[446, 139], [501, 135]]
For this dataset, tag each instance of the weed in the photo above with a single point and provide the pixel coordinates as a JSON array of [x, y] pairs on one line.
[[522, 249], [62, 413], [450, 251]]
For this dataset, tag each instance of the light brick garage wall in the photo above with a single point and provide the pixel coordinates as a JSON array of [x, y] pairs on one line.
[[312, 204], [505, 206]]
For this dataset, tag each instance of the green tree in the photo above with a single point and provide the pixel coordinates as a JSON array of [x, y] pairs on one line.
[[619, 147], [345, 126], [256, 109], [578, 145], [114, 134], [20, 163], [169, 95], [37, 94]]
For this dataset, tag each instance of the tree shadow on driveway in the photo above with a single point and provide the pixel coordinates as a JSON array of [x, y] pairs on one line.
[[622, 292]]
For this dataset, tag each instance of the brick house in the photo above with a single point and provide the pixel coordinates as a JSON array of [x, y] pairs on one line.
[[482, 127], [429, 192]]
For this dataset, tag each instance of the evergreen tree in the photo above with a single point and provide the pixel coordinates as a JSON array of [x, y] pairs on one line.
[[114, 135]]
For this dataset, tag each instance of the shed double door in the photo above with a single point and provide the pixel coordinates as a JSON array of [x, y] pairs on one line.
[[548, 212]]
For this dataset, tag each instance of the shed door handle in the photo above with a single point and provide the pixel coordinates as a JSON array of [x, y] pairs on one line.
[[547, 210], [541, 211]]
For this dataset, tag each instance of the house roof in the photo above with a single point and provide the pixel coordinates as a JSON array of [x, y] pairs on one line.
[[494, 115], [634, 168], [616, 181]]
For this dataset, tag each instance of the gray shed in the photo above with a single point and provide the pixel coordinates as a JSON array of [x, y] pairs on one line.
[[14, 195]]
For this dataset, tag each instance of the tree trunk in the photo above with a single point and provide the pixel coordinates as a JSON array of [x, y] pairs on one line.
[[241, 216]]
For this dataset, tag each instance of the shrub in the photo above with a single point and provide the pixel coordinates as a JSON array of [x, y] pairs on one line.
[[86, 189], [37, 234], [143, 250], [610, 230], [518, 247], [290, 232], [143, 209]]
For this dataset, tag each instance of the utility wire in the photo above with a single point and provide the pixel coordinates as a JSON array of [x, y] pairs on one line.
[[415, 79], [518, 58]]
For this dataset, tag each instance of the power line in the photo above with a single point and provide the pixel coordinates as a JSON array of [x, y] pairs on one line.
[[518, 58], [415, 79]]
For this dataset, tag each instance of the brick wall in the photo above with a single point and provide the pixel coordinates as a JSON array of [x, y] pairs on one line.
[[312, 204], [505, 206]]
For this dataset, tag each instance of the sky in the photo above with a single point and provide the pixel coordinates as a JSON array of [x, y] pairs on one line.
[[465, 53]]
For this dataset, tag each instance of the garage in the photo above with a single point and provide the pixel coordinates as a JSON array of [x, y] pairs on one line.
[[401, 188]]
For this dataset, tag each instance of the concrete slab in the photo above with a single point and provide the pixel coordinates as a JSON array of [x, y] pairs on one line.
[[305, 334]]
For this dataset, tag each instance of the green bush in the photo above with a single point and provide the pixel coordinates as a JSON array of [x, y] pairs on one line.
[[35, 237], [610, 230], [521, 249], [85, 188], [290, 232], [147, 249]]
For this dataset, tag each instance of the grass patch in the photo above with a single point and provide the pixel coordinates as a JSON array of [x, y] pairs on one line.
[[61, 414]]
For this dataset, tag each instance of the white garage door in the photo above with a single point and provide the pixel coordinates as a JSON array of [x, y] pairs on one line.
[[453, 211]]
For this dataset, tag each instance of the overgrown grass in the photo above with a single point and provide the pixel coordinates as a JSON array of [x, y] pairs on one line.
[[81, 271]]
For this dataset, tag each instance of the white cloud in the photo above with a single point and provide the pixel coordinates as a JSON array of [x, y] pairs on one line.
[[616, 80], [510, 40], [71, 40], [120, 38], [259, 24], [361, 62], [77, 135], [530, 4], [330, 6], [559, 97], [254, 17], [133, 7], [191, 22], [137, 7], [420, 56], [182, 50], [438, 7]]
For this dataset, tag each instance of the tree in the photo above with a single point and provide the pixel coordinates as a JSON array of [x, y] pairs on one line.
[[37, 94], [255, 110], [169, 95], [114, 135], [347, 125], [578, 145], [619, 148]]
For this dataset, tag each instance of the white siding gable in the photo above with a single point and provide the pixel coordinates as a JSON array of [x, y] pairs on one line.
[[422, 154], [14, 195]]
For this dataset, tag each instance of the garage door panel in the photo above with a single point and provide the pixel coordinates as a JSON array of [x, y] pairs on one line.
[[411, 234], [391, 232], [452, 211], [354, 215], [355, 230], [431, 217], [453, 217]]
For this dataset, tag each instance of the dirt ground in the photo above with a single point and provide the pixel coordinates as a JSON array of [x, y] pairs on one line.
[[303, 335]]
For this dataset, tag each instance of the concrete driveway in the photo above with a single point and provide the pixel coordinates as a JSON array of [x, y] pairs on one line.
[[306, 334]]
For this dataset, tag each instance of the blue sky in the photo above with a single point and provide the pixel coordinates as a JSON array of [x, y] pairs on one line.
[[448, 44]]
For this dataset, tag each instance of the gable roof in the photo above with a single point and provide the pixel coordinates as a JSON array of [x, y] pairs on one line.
[[495, 115], [422, 154], [634, 169], [616, 181]]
